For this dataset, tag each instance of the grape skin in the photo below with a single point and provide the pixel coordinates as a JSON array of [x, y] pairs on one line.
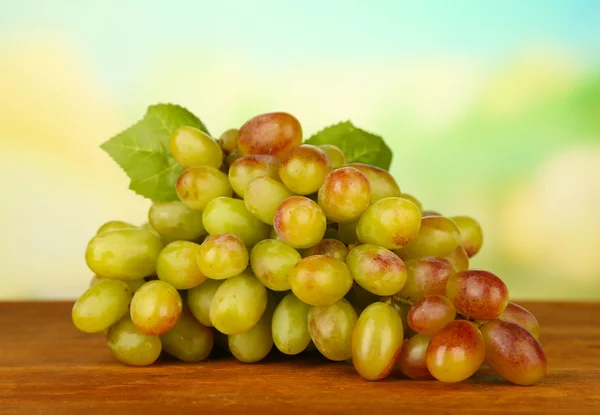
[[331, 329], [471, 234], [101, 306], [411, 361], [130, 346], [320, 280], [192, 147], [438, 236], [155, 307], [188, 340], [228, 140], [274, 133], [255, 344], [134, 285], [222, 256], [430, 314], [412, 199], [299, 222], [334, 154], [271, 262], [290, 325], [377, 269], [243, 170], [331, 247], [114, 225], [262, 197], [304, 169], [175, 221], [382, 183], [345, 195], [426, 276], [521, 316], [197, 186], [459, 259], [477, 294], [177, 265], [199, 299]]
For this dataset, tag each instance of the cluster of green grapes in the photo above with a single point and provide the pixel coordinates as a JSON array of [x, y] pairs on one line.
[[278, 243]]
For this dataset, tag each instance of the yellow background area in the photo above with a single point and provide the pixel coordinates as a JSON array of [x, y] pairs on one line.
[[497, 121]]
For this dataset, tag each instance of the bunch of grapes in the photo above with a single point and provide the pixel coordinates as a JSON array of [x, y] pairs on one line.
[[278, 243]]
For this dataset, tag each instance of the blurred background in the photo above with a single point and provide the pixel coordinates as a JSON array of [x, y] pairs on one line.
[[491, 108]]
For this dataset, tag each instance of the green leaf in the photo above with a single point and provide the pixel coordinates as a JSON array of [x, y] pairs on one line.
[[143, 153], [358, 145]]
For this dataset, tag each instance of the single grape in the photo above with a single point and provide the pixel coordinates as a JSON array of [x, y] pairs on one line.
[[412, 199], [199, 299], [134, 285], [521, 316], [335, 155], [402, 307], [411, 361], [392, 222], [155, 307], [377, 341], [114, 225], [222, 256], [320, 280], [430, 314], [303, 170], [262, 197], [126, 254], [478, 295], [426, 276], [274, 133], [238, 304], [271, 261], [255, 344], [360, 298], [188, 340], [228, 215], [228, 140], [345, 195], [438, 237], [245, 169], [175, 221], [130, 346], [197, 186], [192, 147], [299, 222], [331, 329], [459, 259], [177, 265], [471, 234], [331, 247], [456, 352], [513, 352], [290, 325], [347, 232], [101, 306], [376, 269], [382, 183]]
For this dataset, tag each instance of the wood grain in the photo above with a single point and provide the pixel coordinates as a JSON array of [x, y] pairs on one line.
[[48, 367]]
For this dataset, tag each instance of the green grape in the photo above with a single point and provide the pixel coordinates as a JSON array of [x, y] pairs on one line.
[[274, 133], [188, 340], [330, 247], [471, 234], [513, 352], [177, 265], [192, 147], [320, 280], [479, 295], [228, 215], [238, 304], [382, 183], [438, 237], [377, 341], [101, 306], [126, 254], [334, 154], [411, 361], [175, 221], [245, 169], [459, 259], [430, 314], [147, 227], [222, 256], [155, 307], [456, 352], [114, 225], [130, 346], [303, 169], [199, 299], [134, 285], [427, 213], [521, 316], [271, 261], [299, 222], [360, 298], [331, 329], [426, 276], [230, 159], [228, 140], [345, 195], [255, 344], [347, 232], [391, 222], [262, 197], [413, 199], [197, 186], [376, 269], [402, 307], [290, 325]]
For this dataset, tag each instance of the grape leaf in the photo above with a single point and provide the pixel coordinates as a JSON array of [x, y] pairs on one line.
[[358, 145], [143, 153]]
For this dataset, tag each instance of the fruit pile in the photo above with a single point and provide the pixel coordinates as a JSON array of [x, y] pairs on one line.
[[277, 243]]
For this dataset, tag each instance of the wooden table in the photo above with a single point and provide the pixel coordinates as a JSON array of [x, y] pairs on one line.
[[48, 367]]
